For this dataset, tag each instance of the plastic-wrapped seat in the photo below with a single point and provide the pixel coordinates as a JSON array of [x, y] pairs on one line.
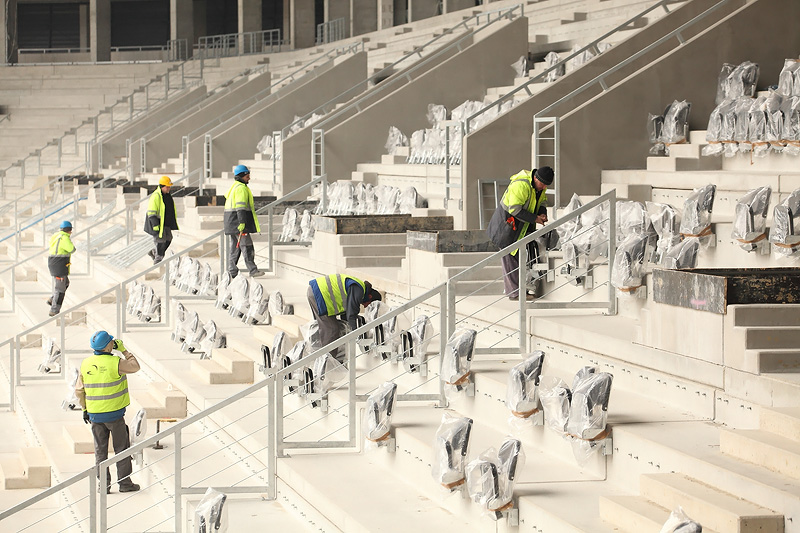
[[632, 218], [277, 305], [785, 231], [307, 229], [294, 379], [240, 297], [181, 321], [134, 298], [208, 281], [522, 395], [589, 406], [683, 254], [491, 477], [628, 269], [326, 372], [52, 357], [223, 291], [386, 336], [666, 224], [193, 329], [291, 231], [150, 309], [378, 413], [697, 209], [71, 401], [750, 218], [211, 513], [414, 343], [257, 309], [555, 397], [212, 338], [457, 358], [138, 427], [450, 448], [186, 272]]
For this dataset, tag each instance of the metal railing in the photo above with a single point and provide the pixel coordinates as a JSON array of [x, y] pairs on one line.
[[490, 17], [542, 117], [333, 30], [239, 44], [73, 50]]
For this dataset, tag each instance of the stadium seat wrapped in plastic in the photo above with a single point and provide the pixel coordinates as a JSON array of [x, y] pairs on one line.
[[522, 395], [457, 358], [451, 446], [750, 218], [378, 413]]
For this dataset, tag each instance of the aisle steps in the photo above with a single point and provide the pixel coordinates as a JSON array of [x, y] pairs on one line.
[[29, 470], [227, 366]]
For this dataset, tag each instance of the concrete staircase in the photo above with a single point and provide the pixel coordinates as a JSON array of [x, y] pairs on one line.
[[29, 470]]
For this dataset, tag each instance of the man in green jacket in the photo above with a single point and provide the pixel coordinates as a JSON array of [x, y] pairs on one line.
[[240, 220], [524, 204], [58, 262], [160, 220], [102, 391]]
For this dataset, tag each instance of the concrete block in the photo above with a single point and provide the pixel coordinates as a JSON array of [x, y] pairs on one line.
[[31, 470], [290, 324], [161, 401], [266, 335], [227, 366], [781, 421], [771, 451], [633, 514], [79, 439]]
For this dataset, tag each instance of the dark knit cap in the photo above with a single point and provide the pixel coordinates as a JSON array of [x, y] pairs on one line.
[[545, 175]]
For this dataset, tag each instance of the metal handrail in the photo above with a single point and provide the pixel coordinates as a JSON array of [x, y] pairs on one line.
[[230, 41], [386, 71], [543, 75], [330, 31]]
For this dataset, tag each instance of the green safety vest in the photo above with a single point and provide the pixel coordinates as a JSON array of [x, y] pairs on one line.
[[61, 248], [156, 208], [518, 196], [333, 292], [240, 198], [106, 390]]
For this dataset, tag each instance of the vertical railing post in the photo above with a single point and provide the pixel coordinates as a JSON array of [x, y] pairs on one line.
[[103, 507], [351, 362], [178, 483], [121, 306], [92, 503], [272, 453], [270, 238], [223, 253], [522, 294], [166, 291], [443, 337], [12, 385], [612, 245]]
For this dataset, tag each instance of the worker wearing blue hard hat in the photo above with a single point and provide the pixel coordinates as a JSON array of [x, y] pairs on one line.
[[240, 220], [102, 391], [58, 263]]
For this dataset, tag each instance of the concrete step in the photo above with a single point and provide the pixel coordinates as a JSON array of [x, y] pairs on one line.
[[379, 251], [373, 262], [265, 334], [29, 470], [710, 507], [683, 164], [776, 360], [227, 366], [772, 337], [762, 448], [463, 259], [634, 514], [80, 441], [160, 400], [766, 315], [781, 421], [372, 239], [290, 324]]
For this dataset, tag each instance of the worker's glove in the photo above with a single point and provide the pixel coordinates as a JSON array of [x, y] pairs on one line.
[[241, 227], [156, 228], [118, 345], [85, 416]]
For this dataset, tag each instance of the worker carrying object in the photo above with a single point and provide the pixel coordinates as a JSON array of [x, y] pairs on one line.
[[240, 221], [160, 220], [58, 262], [102, 391]]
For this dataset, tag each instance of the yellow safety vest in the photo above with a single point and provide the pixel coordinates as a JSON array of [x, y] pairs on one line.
[[106, 390], [61, 248], [240, 197], [156, 208], [518, 196], [333, 292]]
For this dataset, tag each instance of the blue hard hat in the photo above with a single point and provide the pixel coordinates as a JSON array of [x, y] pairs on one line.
[[238, 170], [66, 225], [100, 340]]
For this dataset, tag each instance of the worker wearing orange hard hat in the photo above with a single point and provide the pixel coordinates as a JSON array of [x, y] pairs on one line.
[[160, 220]]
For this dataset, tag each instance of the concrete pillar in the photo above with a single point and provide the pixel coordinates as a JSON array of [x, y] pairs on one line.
[[337, 9], [181, 22], [83, 25], [199, 16], [100, 29], [449, 6], [8, 31], [385, 14], [303, 24], [286, 34], [421, 9], [363, 16], [249, 15]]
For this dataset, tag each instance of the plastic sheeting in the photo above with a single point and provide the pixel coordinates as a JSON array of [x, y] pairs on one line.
[[666, 224], [551, 60], [450, 449], [683, 254], [750, 218], [385, 337], [491, 477], [208, 282], [674, 127], [679, 522], [555, 397], [697, 212], [789, 78], [736, 81], [276, 305], [211, 515], [358, 198], [415, 343], [138, 427], [327, 372], [785, 231], [193, 330], [307, 229], [180, 316], [240, 296], [632, 218], [71, 400], [223, 291], [589, 405], [586, 236], [458, 358], [213, 338], [395, 140], [520, 67], [628, 269], [378, 412], [297, 352], [291, 230], [52, 357], [522, 396], [721, 129], [257, 312]]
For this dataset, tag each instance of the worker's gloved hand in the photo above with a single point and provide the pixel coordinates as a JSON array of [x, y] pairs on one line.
[[118, 345], [156, 228], [241, 227], [85, 416]]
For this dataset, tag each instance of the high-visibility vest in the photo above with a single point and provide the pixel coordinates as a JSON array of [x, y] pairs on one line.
[[156, 208], [240, 198], [61, 249], [333, 291], [106, 390], [521, 195]]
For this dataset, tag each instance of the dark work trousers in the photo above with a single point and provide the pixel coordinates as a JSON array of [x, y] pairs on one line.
[[241, 247], [161, 244], [328, 327], [118, 430], [60, 286], [510, 265]]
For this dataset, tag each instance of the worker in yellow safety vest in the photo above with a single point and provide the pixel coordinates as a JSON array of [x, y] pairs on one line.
[[524, 204], [58, 262], [161, 220], [338, 295], [240, 220], [102, 391]]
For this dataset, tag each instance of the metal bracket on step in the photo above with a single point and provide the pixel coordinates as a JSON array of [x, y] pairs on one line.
[[469, 390], [513, 516], [319, 400], [608, 445]]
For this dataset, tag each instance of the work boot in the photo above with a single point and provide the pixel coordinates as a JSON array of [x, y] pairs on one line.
[[49, 301], [152, 254], [528, 297], [51, 314], [128, 487], [256, 274]]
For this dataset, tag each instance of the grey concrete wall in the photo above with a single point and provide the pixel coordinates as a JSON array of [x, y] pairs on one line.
[[600, 135], [167, 143], [302, 23], [296, 151], [422, 9], [335, 9], [503, 147], [457, 5], [239, 140], [363, 16], [181, 20], [465, 76], [385, 14], [100, 30], [114, 145], [249, 15]]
